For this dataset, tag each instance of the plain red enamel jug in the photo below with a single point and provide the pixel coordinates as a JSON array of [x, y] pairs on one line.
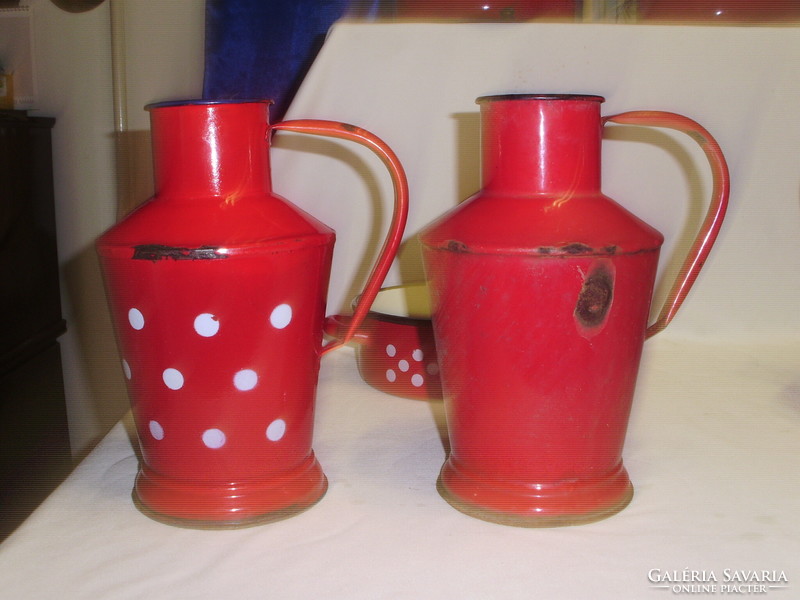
[[541, 289], [217, 289]]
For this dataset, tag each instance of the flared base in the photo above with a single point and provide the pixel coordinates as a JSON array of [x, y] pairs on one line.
[[573, 502], [209, 505]]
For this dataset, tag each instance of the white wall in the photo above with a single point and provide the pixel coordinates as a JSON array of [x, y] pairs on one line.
[[99, 174]]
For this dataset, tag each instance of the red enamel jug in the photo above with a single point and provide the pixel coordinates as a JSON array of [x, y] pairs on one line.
[[719, 11], [540, 289], [484, 10], [217, 289]]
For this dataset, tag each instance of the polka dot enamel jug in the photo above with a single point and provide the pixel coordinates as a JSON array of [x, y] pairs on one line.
[[217, 289]]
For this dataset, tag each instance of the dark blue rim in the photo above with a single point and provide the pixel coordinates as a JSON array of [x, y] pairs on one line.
[[169, 103], [585, 97]]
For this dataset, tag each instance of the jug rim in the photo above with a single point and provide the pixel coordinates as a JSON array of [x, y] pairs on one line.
[[530, 96], [203, 102]]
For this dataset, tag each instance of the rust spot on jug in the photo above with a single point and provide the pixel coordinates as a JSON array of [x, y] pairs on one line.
[[456, 246], [595, 298], [576, 249], [156, 252], [349, 127]]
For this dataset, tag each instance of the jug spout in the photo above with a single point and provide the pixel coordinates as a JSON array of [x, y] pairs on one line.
[[536, 144], [210, 148]]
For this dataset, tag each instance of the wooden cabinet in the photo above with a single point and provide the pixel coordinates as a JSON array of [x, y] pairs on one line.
[[34, 439]]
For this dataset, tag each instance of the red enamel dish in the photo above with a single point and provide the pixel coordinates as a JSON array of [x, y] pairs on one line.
[[395, 350]]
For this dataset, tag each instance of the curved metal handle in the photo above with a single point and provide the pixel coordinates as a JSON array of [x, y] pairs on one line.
[[337, 325], [716, 211], [397, 226]]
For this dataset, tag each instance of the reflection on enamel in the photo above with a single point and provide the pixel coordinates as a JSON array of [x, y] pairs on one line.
[[212, 139]]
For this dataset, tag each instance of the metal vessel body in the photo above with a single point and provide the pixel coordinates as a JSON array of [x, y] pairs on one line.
[[217, 288], [540, 289]]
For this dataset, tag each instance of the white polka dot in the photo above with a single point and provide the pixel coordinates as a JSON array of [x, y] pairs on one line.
[[245, 380], [391, 350], [417, 380], [432, 368], [126, 368], [276, 430], [391, 376], [136, 318], [403, 365], [156, 430], [206, 325], [173, 379], [417, 355], [281, 316], [214, 438]]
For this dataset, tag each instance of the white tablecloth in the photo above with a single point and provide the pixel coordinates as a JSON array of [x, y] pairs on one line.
[[713, 451], [713, 447]]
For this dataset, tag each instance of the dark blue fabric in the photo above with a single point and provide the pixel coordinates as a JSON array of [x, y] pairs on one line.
[[263, 48]]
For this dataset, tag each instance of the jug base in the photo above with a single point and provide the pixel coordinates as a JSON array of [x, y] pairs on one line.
[[535, 505], [201, 505]]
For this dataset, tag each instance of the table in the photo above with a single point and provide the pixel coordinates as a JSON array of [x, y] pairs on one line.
[[713, 447]]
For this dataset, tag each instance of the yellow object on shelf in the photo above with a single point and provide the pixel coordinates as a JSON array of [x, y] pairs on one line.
[[6, 90]]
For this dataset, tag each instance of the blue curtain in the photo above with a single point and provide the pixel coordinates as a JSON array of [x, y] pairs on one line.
[[263, 48]]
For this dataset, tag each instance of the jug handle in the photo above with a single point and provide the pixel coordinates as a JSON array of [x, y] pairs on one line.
[[716, 211], [396, 227]]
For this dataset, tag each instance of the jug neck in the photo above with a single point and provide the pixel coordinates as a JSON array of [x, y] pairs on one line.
[[210, 149], [541, 144]]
